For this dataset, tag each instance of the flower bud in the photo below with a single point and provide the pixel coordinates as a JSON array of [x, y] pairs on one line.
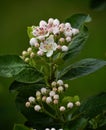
[[36, 45], [32, 55], [31, 99], [55, 101], [64, 48], [53, 129], [27, 104], [56, 96], [43, 90], [47, 129], [75, 31], [66, 85], [50, 21], [29, 49], [40, 53], [61, 40], [77, 103], [56, 22], [42, 23], [62, 108], [33, 41], [68, 39], [44, 98], [70, 105], [48, 100], [52, 93], [26, 60], [54, 89], [60, 89], [37, 107], [60, 82], [24, 53], [53, 83], [59, 47], [38, 93], [67, 25]]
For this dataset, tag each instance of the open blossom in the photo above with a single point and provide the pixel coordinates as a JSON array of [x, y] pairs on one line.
[[48, 46]]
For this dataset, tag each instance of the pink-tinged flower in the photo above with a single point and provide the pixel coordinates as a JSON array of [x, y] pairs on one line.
[[43, 24], [33, 41], [40, 32], [48, 46]]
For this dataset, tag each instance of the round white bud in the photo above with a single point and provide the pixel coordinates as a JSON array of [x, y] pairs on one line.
[[32, 55], [60, 129], [50, 21], [66, 85], [70, 105], [75, 31], [77, 103], [43, 90], [27, 104], [38, 93], [37, 107], [42, 23], [67, 25], [44, 98], [26, 60], [54, 89], [59, 47], [48, 100], [24, 53], [40, 53], [47, 129], [68, 39], [31, 99], [33, 41], [56, 22], [62, 108], [60, 82], [55, 101], [36, 45], [53, 83], [56, 96], [61, 39], [52, 93], [29, 49], [53, 129], [60, 89], [64, 48]]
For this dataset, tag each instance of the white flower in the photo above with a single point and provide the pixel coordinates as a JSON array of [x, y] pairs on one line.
[[31, 99], [33, 41], [43, 90], [77, 103], [64, 48], [70, 105], [60, 82], [37, 108], [55, 30], [48, 100], [52, 93], [48, 46], [47, 129], [62, 108], [50, 21], [67, 25]]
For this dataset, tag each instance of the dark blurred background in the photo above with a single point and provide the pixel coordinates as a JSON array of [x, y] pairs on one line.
[[16, 15]]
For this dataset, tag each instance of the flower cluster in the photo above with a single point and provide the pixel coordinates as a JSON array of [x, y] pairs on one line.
[[50, 96], [51, 36]]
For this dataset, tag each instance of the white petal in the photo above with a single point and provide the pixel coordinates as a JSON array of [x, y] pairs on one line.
[[50, 39], [49, 53], [42, 48], [54, 46]]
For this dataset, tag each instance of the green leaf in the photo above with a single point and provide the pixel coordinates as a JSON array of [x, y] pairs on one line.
[[20, 127], [94, 105], [29, 32], [29, 75], [76, 44], [11, 65], [81, 68], [77, 20]]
